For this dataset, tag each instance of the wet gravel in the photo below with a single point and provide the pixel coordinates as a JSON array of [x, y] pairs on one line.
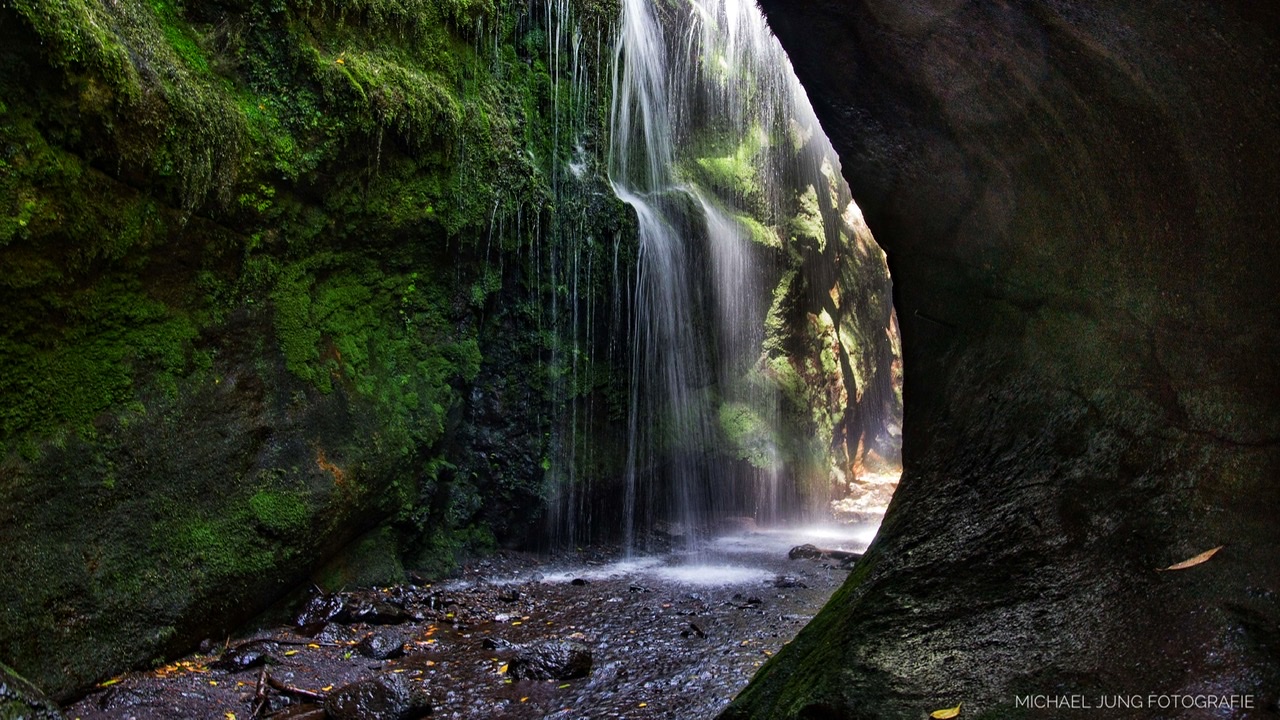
[[671, 636]]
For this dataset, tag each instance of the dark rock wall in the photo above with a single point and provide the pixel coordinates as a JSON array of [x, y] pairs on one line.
[[1078, 204]]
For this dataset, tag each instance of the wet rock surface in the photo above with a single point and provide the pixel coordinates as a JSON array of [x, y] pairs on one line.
[[1085, 278], [558, 660], [20, 699], [388, 696], [511, 639]]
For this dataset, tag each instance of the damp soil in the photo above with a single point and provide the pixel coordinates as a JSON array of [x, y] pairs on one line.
[[670, 636]]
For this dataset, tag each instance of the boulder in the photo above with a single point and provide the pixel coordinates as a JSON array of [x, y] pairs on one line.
[[389, 696], [555, 660]]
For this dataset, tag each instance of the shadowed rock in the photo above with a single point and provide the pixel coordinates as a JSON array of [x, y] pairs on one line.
[[1075, 199], [550, 661], [389, 696]]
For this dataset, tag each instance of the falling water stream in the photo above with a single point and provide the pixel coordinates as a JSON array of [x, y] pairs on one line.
[[703, 96]]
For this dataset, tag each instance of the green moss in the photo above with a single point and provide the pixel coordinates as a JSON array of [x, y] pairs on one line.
[[373, 559], [279, 513], [219, 548], [749, 434], [151, 71], [806, 226], [223, 249]]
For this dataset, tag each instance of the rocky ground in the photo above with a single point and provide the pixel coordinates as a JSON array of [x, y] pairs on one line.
[[516, 636]]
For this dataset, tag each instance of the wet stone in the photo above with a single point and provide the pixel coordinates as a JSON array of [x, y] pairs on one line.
[[383, 644], [245, 655], [550, 661], [319, 610], [805, 552], [388, 696], [787, 581]]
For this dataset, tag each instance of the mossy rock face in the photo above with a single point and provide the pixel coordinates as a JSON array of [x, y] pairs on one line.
[[20, 700], [254, 270]]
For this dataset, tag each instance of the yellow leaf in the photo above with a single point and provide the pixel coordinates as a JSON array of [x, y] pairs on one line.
[[291, 653], [516, 622], [1195, 560], [229, 715], [313, 646], [524, 699], [502, 669], [109, 683], [643, 705], [326, 688], [946, 714], [213, 682], [431, 663], [563, 686]]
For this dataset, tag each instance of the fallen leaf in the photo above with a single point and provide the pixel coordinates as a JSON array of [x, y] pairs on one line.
[[563, 686], [524, 699], [643, 705], [946, 714], [109, 683], [1193, 561], [213, 682], [229, 715], [291, 653], [326, 688], [313, 646], [502, 669]]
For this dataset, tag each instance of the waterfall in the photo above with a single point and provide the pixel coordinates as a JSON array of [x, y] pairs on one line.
[[716, 149]]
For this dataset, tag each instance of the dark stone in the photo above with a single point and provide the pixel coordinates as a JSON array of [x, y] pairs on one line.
[[380, 613], [786, 581], [1076, 199], [21, 699], [579, 582], [390, 696], [319, 610], [245, 655], [804, 552], [383, 644], [556, 660]]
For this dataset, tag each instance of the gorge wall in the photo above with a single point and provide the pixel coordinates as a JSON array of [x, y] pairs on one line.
[[315, 291], [281, 279], [1077, 202]]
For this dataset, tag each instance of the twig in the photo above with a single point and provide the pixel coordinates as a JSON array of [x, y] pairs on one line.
[[260, 695], [296, 692]]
